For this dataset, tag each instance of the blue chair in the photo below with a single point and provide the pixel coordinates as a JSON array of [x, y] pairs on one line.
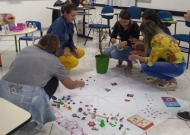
[[135, 12], [29, 38], [106, 9], [165, 14], [184, 38]]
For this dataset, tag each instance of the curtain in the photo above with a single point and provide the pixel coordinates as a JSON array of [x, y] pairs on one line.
[[121, 3]]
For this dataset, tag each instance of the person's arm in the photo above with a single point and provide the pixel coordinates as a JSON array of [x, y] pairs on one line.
[[58, 70], [115, 30], [57, 29], [70, 84], [71, 43], [158, 47], [134, 33]]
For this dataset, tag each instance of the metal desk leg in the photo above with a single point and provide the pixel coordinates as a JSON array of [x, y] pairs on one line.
[[16, 43], [83, 34], [175, 28], [76, 27], [0, 61], [32, 38]]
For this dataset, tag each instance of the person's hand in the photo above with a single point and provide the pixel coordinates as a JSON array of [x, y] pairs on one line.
[[133, 40], [81, 83], [187, 16], [113, 40], [122, 44], [140, 53], [67, 54], [138, 43], [133, 57], [76, 53]]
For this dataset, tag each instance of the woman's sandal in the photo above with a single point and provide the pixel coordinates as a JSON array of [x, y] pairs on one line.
[[129, 67], [119, 63]]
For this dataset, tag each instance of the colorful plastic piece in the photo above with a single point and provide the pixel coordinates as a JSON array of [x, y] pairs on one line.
[[102, 124]]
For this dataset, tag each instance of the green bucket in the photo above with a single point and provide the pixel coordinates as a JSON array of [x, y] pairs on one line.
[[102, 62]]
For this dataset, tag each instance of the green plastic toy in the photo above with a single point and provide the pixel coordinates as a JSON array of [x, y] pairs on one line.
[[102, 124]]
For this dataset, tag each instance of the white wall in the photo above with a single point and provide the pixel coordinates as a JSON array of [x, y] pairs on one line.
[[173, 5], [29, 10]]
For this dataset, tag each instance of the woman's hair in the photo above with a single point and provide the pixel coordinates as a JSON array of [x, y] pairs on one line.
[[125, 15], [49, 43], [150, 29], [68, 8], [153, 16]]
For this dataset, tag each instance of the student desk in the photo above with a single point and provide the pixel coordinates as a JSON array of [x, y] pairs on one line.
[[110, 14], [79, 13], [26, 31], [170, 22], [12, 117]]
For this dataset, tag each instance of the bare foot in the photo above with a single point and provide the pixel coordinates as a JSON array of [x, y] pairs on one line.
[[173, 80]]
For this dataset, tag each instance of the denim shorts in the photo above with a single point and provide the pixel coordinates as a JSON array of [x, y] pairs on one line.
[[31, 98]]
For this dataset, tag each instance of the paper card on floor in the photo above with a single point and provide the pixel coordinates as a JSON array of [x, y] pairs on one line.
[[169, 99], [145, 124], [135, 119]]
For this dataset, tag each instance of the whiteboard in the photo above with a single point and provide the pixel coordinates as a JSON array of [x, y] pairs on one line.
[[172, 5]]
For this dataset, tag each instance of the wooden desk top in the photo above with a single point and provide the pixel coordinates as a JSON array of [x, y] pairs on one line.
[[12, 117], [28, 30]]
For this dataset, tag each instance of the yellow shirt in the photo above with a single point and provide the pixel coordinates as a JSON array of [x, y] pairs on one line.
[[165, 48]]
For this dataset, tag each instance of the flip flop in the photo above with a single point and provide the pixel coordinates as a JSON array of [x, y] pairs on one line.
[[119, 63], [129, 67]]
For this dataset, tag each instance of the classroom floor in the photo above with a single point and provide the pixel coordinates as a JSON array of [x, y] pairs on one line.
[[172, 126]]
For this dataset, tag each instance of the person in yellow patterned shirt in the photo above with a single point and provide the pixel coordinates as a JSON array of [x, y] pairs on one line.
[[165, 60]]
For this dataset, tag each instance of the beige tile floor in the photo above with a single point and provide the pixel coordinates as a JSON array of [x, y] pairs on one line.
[[172, 126]]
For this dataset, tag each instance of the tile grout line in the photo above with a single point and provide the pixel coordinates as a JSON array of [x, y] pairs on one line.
[[51, 129], [6, 50], [187, 124], [186, 77]]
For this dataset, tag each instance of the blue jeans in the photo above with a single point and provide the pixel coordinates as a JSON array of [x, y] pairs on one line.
[[164, 70], [113, 52]]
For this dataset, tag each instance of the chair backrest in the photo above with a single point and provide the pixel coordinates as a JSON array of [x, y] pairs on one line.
[[107, 9], [164, 14], [135, 12], [38, 25]]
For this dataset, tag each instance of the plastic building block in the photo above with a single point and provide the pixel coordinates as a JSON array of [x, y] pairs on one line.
[[94, 128], [80, 109], [102, 124], [54, 97], [112, 125], [69, 107], [91, 124]]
